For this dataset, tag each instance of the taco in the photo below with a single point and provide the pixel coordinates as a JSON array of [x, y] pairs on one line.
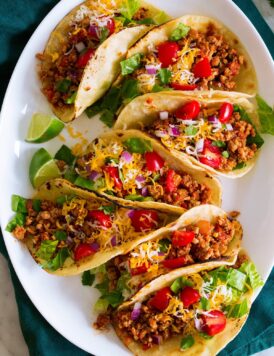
[[68, 230], [216, 130], [199, 312], [204, 235], [189, 53], [131, 169], [81, 58]]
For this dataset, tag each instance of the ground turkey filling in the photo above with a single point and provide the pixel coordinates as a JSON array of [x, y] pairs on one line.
[[231, 143], [61, 72], [138, 183], [224, 61]]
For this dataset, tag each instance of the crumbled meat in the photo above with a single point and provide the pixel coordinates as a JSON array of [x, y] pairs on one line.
[[140, 14], [19, 232], [102, 322]]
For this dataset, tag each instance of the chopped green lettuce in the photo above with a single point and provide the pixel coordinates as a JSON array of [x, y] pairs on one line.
[[253, 277], [129, 65], [60, 235], [237, 310], [47, 249], [108, 209], [138, 145], [187, 342], [180, 32], [59, 260], [236, 279], [18, 220], [89, 184], [18, 204], [65, 154], [164, 75], [129, 8], [88, 278], [266, 116], [101, 305]]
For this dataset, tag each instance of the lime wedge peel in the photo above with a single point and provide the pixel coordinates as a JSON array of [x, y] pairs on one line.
[[43, 127], [42, 168]]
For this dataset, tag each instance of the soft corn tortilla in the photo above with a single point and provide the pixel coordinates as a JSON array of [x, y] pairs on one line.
[[246, 80], [59, 187], [176, 163], [144, 110], [103, 67]]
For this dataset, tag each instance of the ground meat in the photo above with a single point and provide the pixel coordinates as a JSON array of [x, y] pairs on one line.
[[19, 232], [102, 322], [140, 14], [151, 327]]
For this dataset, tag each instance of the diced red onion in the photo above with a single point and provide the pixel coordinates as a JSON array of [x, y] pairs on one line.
[[198, 324], [140, 179], [213, 119], [188, 122], [161, 253], [94, 175], [229, 127], [80, 46], [174, 131], [160, 133], [131, 213], [113, 241], [163, 115], [95, 246], [200, 145], [136, 311], [144, 191], [126, 156], [151, 69]]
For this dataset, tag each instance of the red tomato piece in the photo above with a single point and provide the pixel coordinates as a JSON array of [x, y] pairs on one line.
[[170, 184], [160, 300], [225, 112], [167, 53], [84, 58], [83, 250], [189, 296], [144, 220], [154, 162], [189, 110], [182, 238], [174, 262], [178, 86], [113, 172], [202, 69], [211, 155], [213, 322], [139, 270], [111, 26], [102, 218]]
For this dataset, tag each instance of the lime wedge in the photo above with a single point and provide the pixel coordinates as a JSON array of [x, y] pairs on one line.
[[43, 128], [42, 168]]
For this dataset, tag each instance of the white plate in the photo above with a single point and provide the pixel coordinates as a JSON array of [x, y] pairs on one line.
[[64, 302]]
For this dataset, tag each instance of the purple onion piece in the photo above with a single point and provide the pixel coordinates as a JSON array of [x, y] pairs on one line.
[[151, 69], [131, 213], [140, 179], [94, 175], [174, 131], [213, 119], [95, 246], [161, 253], [126, 156], [113, 241], [136, 311], [144, 191]]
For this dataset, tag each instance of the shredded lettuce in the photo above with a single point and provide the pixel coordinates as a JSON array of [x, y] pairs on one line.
[[180, 32], [47, 249], [101, 305], [65, 154], [129, 65], [58, 261], [237, 310], [236, 279], [266, 116], [89, 184], [204, 303], [191, 130], [156, 88], [18, 220], [129, 90], [161, 17], [60, 235], [138, 145], [253, 277], [164, 75], [18, 204], [129, 8]]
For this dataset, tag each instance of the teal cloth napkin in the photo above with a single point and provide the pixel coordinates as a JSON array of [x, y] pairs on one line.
[[18, 19]]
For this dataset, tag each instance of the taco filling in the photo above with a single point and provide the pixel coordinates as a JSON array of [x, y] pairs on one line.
[[199, 242], [75, 228], [194, 307], [189, 60], [221, 136], [131, 170], [90, 26]]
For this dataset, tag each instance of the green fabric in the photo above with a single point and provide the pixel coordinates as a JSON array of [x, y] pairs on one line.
[[18, 19]]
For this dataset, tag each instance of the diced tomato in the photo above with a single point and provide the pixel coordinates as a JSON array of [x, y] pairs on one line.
[[225, 112], [174, 262], [189, 296], [113, 172], [213, 322], [95, 31], [102, 218], [202, 69], [139, 270], [204, 227], [160, 300], [182, 238], [167, 53], [84, 58], [154, 162], [83, 250], [171, 185], [178, 86], [144, 220], [211, 155], [189, 110], [111, 26]]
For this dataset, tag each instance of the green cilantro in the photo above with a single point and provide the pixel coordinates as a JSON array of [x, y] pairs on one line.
[[205, 336], [225, 154], [138, 145], [239, 165], [104, 33], [65, 154], [47, 249], [93, 110], [108, 209], [88, 278], [18, 220], [156, 88], [111, 101], [70, 174], [187, 342], [219, 143], [164, 75], [191, 130], [18, 204], [107, 118], [63, 85], [71, 98], [36, 204], [266, 116], [90, 184], [164, 244], [60, 235], [129, 89], [204, 302], [129, 65], [180, 32]]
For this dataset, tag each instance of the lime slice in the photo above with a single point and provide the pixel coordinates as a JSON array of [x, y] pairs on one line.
[[43, 128], [42, 168]]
